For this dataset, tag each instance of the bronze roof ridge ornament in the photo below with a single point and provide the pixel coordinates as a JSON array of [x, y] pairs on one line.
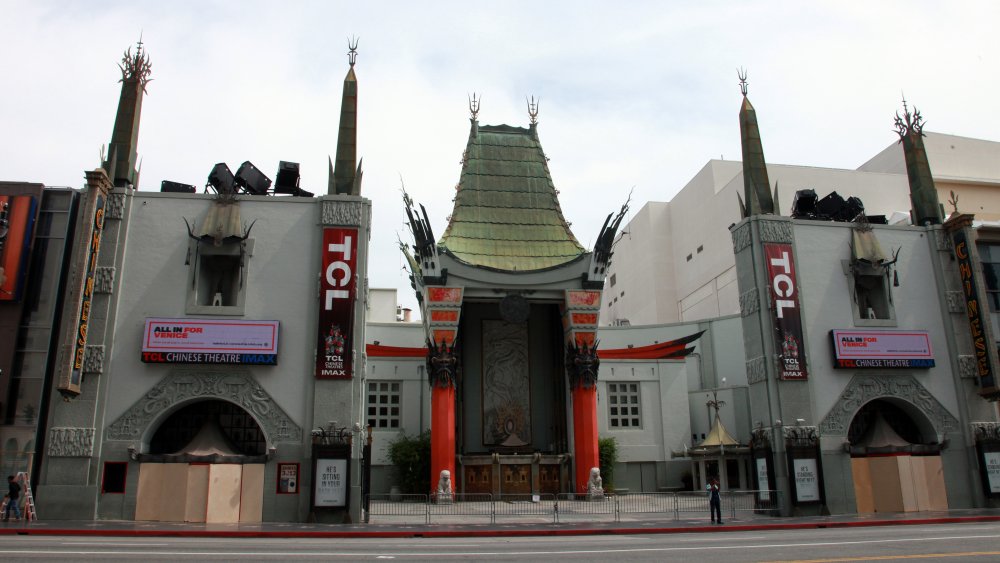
[[136, 67], [474, 106], [533, 109], [909, 122], [352, 50], [742, 74]]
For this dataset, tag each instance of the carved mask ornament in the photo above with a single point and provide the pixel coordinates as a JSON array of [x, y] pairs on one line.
[[582, 364], [442, 364]]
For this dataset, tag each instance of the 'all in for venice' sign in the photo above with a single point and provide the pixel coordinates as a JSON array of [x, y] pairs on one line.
[[338, 290]]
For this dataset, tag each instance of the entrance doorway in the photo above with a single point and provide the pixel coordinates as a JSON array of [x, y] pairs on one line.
[[895, 459], [205, 464]]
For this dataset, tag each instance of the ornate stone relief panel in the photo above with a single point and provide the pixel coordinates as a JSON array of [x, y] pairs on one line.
[[749, 302], [506, 384], [182, 386], [115, 207], [865, 388], [756, 370], [956, 301], [741, 238], [944, 243], [93, 359], [800, 435], [776, 231], [967, 367], [104, 279], [71, 442], [986, 431], [341, 213]]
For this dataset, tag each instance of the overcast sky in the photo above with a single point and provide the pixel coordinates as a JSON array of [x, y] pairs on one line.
[[636, 94]]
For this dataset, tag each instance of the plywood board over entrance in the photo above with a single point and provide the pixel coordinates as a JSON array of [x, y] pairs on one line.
[[160, 497], [224, 488], [252, 494], [197, 493]]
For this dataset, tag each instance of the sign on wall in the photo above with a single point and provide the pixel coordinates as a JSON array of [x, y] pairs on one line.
[[783, 288], [763, 484], [992, 460], [806, 480], [330, 484], [881, 349], [288, 478], [206, 341], [976, 312], [338, 291], [71, 384], [17, 221]]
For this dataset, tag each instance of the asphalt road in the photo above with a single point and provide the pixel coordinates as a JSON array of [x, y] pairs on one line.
[[944, 542]]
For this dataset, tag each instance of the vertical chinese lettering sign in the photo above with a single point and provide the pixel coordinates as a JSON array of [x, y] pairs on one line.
[[79, 345], [973, 309], [338, 290], [783, 288]]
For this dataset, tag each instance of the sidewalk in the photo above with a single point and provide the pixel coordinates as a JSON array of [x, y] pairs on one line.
[[654, 524]]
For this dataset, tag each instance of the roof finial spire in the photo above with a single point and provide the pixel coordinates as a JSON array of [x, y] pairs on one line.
[[136, 67], [742, 74], [474, 106], [533, 109], [352, 52]]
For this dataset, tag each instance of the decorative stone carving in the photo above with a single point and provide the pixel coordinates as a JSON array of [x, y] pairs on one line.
[[749, 302], [71, 442], [944, 242], [444, 493], [595, 485], [757, 370], [967, 366], [741, 238], [986, 431], [956, 301], [865, 388], [104, 279], [341, 213], [776, 231], [234, 386], [115, 206], [581, 365], [506, 407], [93, 359], [800, 435], [442, 364], [760, 437]]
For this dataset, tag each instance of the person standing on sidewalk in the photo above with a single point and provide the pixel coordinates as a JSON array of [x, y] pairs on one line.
[[13, 492], [714, 500]]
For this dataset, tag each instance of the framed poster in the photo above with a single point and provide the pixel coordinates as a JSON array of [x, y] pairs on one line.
[[992, 462], [788, 336], [763, 484], [338, 291], [330, 483], [806, 480], [288, 478]]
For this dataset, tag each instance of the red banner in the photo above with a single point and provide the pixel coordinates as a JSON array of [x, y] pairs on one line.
[[789, 347], [17, 219], [338, 290]]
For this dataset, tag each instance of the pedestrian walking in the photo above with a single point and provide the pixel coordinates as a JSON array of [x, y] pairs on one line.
[[714, 500], [13, 493]]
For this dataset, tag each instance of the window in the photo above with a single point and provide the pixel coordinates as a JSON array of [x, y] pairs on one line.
[[623, 405], [614, 278], [990, 256], [383, 404], [218, 281], [700, 248], [871, 293], [114, 477]]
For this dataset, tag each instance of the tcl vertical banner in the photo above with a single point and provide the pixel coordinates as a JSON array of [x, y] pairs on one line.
[[17, 220], [338, 289], [787, 315]]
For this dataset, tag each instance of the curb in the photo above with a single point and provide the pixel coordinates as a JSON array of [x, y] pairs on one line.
[[473, 533]]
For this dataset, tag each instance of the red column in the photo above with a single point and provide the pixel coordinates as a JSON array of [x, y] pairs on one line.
[[585, 434], [443, 434]]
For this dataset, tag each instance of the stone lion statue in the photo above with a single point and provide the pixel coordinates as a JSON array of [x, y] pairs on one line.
[[595, 485], [444, 492]]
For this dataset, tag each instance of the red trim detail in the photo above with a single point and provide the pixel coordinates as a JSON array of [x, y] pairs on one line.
[[444, 316], [442, 434], [664, 350], [585, 435], [380, 351], [585, 318], [444, 294]]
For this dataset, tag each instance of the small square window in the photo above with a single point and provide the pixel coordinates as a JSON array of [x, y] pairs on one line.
[[113, 481], [384, 404], [624, 407]]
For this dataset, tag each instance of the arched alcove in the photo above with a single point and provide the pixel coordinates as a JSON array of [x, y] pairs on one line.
[[181, 426]]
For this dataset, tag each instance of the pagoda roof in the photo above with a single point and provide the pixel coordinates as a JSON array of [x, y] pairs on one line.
[[507, 215]]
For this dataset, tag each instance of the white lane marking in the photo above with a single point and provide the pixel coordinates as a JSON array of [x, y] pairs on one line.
[[109, 543], [331, 554]]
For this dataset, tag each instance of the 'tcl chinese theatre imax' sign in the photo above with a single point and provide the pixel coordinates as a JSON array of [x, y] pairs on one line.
[[881, 349], [205, 341], [787, 315], [338, 290]]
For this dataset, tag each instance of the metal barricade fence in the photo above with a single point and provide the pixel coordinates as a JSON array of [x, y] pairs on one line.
[[478, 506], [541, 505], [567, 506], [570, 505]]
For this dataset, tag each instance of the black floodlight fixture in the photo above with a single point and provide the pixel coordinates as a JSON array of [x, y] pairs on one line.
[[288, 178], [221, 178], [804, 203], [176, 187], [252, 180]]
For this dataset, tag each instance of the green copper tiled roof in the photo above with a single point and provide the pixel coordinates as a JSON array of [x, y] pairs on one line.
[[507, 215]]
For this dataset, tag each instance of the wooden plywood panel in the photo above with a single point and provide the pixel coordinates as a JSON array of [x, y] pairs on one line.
[[937, 495], [884, 473], [252, 493], [223, 494], [919, 483], [196, 499], [173, 483], [862, 485], [147, 501]]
